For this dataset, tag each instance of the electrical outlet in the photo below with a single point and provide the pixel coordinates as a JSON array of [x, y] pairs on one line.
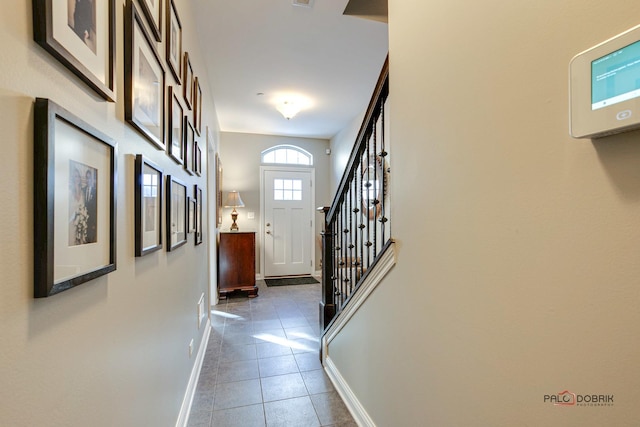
[[191, 348]]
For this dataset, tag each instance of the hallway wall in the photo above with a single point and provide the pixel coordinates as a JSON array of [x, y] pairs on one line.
[[517, 273], [113, 351], [240, 157]]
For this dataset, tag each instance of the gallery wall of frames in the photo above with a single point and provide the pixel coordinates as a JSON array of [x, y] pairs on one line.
[[75, 165]]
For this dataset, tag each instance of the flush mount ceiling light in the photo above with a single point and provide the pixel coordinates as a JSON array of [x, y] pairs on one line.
[[288, 109], [303, 3]]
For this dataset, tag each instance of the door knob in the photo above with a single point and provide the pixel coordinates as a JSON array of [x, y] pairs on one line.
[[268, 232], [268, 224]]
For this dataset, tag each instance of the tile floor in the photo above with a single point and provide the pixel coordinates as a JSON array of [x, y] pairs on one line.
[[261, 367]]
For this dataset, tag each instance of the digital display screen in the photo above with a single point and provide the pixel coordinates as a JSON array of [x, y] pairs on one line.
[[615, 77]]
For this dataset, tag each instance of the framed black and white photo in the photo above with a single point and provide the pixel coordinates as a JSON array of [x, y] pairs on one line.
[[189, 141], [144, 79], [197, 194], [187, 82], [74, 200], [197, 159], [174, 41], [192, 215], [81, 35], [177, 120], [148, 206], [197, 106], [176, 213], [153, 11]]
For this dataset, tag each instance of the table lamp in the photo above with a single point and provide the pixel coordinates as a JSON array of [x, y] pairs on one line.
[[234, 201]]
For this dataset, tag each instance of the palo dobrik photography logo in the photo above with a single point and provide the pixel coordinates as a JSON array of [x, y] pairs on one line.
[[564, 398]]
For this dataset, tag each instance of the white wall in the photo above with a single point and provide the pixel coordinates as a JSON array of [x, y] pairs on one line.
[[341, 145], [518, 273], [240, 157], [114, 351]]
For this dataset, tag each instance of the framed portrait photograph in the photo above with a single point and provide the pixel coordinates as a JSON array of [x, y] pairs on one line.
[[174, 41], [148, 206], [197, 159], [189, 141], [74, 200], [187, 82], [192, 215], [218, 166], [144, 79], [197, 106], [153, 11], [197, 194], [176, 213], [81, 35], [175, 144]]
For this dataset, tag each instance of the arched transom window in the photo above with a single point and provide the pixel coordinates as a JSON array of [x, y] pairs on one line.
[[287, 155]]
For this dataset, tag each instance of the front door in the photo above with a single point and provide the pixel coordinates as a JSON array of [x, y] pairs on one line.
[[287, 227]]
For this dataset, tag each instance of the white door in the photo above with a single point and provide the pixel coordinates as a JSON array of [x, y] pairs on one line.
[[287, 222]]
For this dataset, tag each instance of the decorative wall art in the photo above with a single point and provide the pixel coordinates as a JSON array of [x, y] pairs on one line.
[[74, 200], [197, 106], [189, 141], [197, 194], [177, 120], [144, 80], [148, 206], [218, 166], [174, 41], [153, 11], [197, 159], [192, 215], [187, 83], [80, 34], [176, 213]]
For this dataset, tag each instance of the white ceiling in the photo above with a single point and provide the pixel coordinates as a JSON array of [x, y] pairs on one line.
[[278, 49]]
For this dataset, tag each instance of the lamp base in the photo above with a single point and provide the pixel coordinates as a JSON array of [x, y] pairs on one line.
[[234, 217]]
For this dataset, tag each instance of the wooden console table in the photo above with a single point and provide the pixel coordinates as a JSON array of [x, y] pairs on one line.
[[237, 263]]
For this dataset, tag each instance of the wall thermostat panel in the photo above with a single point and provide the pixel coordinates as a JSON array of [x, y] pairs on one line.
[[604, 87]]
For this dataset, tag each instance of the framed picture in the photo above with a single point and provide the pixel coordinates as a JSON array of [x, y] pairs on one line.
[[197, 106], [144, 79], [74, 200], [175, 144], [153, 11], [189, 141], [148, 206], [174, 41], [218, 165], [192, 215], [176, 213], [187, 83], [197, 194], [197, 159], [81, 35]]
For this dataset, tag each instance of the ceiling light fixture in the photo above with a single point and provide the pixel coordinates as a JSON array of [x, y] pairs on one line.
[[288, 109]]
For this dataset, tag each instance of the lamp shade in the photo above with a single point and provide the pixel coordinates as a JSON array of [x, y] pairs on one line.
[[233, 200]]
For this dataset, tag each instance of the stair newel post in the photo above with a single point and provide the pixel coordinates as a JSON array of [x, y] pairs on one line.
[[327, 305]]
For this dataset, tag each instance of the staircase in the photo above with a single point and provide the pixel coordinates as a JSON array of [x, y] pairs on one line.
[[357, 230]]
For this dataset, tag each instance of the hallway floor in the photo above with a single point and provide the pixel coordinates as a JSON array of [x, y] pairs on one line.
[[261, 367]]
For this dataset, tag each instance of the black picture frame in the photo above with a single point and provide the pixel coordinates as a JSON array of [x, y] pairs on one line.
[[176, 125], [144, 80], [148, 180], [192, 215], [197, 159], [74, 221], [152, 9], [86, 49], [176, 213], [187, 83], [174, 41], [189, 142], [197, 106], [197, 195]]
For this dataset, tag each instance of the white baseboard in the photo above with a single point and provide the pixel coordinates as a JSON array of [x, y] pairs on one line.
[[185, 409], [317, 273], [350, 400]]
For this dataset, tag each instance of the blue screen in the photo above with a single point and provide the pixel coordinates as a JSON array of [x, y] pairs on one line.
[[615, 77]]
